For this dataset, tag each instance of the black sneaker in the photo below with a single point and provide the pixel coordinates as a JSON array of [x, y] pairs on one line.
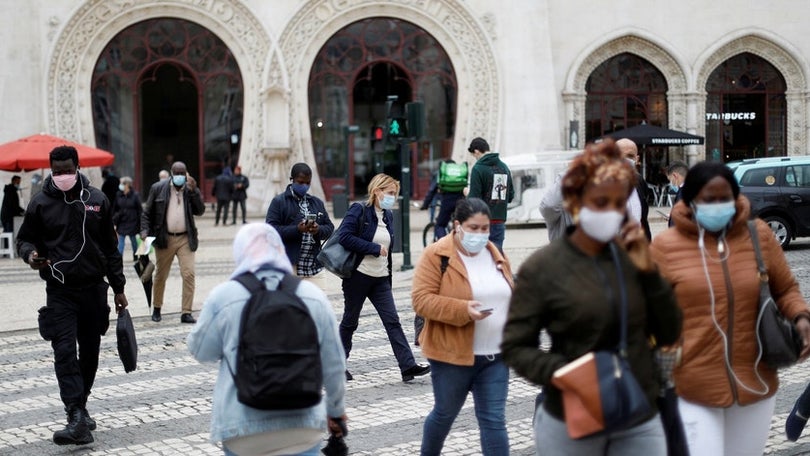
[[187, 318], [417, 370], [156, 314], [76, 432]]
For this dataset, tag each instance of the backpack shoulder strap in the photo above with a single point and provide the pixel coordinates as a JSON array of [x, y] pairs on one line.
[[445, 261], [289, 283], [249, 281]]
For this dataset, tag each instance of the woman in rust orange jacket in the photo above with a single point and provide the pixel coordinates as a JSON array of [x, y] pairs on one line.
[[726, 396], [462, 288]]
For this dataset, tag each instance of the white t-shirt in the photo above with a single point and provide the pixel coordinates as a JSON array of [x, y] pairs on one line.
[[490, 288], [377, 266]]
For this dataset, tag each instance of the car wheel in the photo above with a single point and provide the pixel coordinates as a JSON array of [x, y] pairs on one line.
[[780, 228]]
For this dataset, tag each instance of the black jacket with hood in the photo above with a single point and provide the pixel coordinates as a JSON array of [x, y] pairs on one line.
[[78, 224]]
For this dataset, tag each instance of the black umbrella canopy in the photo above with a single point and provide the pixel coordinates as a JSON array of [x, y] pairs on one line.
[[650, 135]]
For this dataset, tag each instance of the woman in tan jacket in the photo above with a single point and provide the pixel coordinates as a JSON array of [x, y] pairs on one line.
[[726, 396], [462, 288]]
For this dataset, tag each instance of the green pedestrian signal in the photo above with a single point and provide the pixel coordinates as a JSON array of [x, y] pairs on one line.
[[393, 130]]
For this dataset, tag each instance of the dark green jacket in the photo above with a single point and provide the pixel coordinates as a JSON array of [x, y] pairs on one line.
[[570, 295], [481, 183]]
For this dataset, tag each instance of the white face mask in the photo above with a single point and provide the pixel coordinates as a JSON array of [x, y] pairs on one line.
[[600, 225]]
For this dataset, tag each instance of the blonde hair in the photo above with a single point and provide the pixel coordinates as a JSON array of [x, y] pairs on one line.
[[379, 182]]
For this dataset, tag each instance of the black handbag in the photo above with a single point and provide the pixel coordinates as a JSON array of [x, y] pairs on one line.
[[336, 258], [127, 345], [777, 337], [624, 402]]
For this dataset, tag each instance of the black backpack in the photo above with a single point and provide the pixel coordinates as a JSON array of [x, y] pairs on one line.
[[278, 361]]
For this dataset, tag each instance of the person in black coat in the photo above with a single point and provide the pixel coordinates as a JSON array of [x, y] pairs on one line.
[[68, 236], [240, 186], [302, 236], [223, 192], [110, 185], [127, 215], [11, 204]]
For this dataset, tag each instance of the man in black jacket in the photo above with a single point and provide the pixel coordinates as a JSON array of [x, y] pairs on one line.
[[68, 236], [240, 186], [11, 204], [637, 205], [302, 235], [168, 214]]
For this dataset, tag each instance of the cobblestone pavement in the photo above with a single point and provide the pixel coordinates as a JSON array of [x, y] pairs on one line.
[[163, 408]]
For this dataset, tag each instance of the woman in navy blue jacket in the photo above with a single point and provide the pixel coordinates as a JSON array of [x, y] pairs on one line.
[[368, 229]]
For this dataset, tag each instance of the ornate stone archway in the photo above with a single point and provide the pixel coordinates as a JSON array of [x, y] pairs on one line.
[[575, 95], [785, 63], [88, 31], [448, 21]]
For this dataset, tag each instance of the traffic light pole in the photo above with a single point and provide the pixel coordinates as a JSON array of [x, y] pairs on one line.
[[405, 208]]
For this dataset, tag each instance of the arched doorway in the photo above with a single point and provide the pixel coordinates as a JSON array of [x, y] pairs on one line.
[[350, 80], [168, 89], [624, 91], [746, 110]]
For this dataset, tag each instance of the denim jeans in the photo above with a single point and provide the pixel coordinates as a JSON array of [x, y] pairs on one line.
[[122, 239], [314, 451], [488, 379], [378, 290], [645, 439], [497, 233]]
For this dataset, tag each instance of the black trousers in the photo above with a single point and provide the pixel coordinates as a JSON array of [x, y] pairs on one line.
[[240, 203], [75, 316], [220, 205]]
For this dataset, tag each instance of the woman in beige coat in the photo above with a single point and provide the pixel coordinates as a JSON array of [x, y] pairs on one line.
[[462, 288]]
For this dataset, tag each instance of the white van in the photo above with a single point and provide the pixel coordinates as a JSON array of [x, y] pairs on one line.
[[532, 174]]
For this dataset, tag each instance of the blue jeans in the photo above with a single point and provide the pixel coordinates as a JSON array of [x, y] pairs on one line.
[[488, 379], [645, 439], [314, 451], [497, 233], [122, 240], [378, 290]]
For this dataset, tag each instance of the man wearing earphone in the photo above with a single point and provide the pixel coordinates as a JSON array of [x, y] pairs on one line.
[[68, 236], [168, 214]]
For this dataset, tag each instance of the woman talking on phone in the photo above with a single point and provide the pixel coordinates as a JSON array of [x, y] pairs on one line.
[[462, 287], [368, 230], [572, 289]]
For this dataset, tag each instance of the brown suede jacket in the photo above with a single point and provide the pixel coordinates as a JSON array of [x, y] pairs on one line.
[[442, 300], [704, 376]]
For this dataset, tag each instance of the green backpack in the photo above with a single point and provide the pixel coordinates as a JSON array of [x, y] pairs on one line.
[[452, 177]]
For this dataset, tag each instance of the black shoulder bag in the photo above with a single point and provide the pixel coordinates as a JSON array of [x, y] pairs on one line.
[[778, 340]]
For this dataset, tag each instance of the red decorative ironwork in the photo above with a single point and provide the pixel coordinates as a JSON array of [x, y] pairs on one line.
[[352, 76], [136, 56]]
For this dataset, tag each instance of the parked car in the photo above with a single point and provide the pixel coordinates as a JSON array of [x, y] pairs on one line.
[[779, 190]]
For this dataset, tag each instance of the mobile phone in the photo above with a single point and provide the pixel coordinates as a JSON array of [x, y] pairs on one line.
[[487, 310], [39, 260], [311, 218]]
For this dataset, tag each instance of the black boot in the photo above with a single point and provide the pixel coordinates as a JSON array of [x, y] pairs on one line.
[[91, 423], [156, 314], [76, 432]]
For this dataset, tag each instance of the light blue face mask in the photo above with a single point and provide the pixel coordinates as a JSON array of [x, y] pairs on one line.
[[473, 242], [714, 217], [179, 180], [388, 202]]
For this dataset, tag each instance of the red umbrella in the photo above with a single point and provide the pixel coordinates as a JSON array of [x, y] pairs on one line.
[[32, 152]]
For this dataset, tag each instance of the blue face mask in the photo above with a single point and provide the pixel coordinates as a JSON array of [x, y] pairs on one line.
[[388, 202], [673, 188], [473, 242], [179, 180], [714, 217], [300, 189]]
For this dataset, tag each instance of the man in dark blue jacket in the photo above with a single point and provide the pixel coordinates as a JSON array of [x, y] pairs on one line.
[[68, 236], [302, 222]]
